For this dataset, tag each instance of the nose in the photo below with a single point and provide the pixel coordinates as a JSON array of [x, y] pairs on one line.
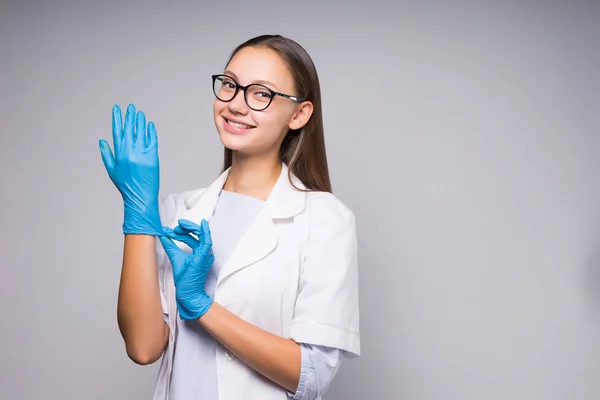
[[238, 103]]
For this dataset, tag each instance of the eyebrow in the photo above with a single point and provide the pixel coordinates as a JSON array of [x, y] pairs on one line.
[[267, 83]]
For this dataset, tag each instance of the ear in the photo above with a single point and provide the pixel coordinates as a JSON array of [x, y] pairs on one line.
[[301, 115]]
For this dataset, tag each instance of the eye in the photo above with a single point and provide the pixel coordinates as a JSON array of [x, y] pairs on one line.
[[228, 83], [264, 94], [259, 93]]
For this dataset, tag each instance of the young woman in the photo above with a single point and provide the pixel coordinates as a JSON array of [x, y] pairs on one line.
[[252, 291]]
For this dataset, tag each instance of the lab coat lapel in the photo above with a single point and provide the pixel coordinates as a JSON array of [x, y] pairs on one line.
[[260, 238], [257, 242], [204, 206]]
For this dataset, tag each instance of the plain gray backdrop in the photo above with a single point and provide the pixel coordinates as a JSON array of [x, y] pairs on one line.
[[464, 136]]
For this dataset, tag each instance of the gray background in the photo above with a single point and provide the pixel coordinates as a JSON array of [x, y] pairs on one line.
[[463, 135]]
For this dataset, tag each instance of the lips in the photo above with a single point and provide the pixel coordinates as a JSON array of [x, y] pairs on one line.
[[238, 124]]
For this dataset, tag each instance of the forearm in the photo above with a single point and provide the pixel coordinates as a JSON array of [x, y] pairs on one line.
[[139, 309], [276, 358]]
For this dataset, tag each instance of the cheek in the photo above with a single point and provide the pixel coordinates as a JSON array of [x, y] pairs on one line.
[[218, 106], [269, 132], [272, 125]]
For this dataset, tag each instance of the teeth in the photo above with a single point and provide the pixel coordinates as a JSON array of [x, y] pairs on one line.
[[239, 125]]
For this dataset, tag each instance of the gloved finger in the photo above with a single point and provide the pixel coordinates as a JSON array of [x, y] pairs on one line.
[[185, 238], [107, 156], [117, 129], [174, 253], [183, 231], [203, 255], [204, 248], [170, 247], [205, 236], [186, 226], [128, 134], [152, 136], [202, 231], [139, 138]]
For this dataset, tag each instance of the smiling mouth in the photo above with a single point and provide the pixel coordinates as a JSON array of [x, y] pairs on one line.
[[238, 125]]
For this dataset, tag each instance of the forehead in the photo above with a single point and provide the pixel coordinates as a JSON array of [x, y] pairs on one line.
[[260, 64]]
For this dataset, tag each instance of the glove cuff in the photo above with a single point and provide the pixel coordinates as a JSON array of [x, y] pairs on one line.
[[199, 309], [145, 221]]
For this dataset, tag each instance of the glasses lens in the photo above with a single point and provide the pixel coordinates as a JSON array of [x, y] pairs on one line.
[[224, 88], [258, 96]]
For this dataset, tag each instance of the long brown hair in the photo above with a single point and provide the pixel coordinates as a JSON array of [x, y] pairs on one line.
[[302, 150]]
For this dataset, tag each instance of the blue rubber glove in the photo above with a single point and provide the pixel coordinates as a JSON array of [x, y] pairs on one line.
[[190, 269], [134, 169]]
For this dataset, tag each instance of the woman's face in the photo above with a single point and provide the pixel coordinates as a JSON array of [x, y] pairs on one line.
[[257, 133]]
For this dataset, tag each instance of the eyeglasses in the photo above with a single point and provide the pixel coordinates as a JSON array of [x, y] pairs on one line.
[[258, 97]]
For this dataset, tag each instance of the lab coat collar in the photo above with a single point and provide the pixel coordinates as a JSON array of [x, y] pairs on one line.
[[284, 201], [260, 238]]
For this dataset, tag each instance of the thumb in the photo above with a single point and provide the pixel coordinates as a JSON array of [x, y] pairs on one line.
[[107, 156], [170, 247]]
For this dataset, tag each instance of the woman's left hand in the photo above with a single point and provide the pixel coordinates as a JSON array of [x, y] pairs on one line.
[[190, 269]]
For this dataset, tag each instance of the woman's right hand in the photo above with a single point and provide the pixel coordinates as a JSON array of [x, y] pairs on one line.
[[134, 170]]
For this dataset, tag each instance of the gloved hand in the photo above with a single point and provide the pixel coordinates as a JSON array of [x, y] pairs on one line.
[[134, 169], [190, 269]]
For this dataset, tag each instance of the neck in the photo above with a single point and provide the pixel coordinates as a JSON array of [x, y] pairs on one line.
[[253, 177]]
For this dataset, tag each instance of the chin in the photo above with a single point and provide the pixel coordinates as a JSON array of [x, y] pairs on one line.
[[233, 142]]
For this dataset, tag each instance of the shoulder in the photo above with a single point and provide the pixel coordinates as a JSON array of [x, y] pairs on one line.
[[326, 208], [174, 204], [185, 196]]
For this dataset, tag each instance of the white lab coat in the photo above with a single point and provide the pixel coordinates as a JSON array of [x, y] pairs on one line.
[[293, 273]]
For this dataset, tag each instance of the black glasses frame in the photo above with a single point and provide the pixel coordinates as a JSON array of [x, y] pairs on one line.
[[239, 87]]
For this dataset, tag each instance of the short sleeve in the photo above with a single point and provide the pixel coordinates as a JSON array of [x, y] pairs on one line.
[[318, 368], [326, 312]]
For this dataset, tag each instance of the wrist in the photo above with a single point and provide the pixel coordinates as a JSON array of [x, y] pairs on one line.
[[206, 316], [196, 310], [142, 219]]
